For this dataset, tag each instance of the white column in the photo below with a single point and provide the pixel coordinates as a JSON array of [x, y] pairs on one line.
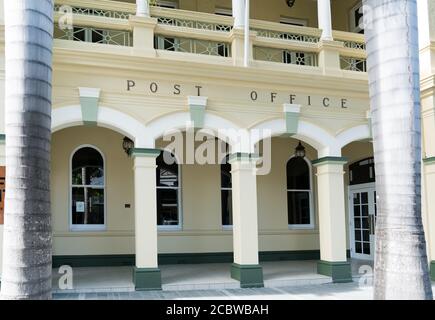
[[147, 274], [142, 8], [324, 17], [332, 219], [239, 13], [247, 43], [246, 266]]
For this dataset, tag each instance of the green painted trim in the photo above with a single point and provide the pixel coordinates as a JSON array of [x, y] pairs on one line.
[[250, 276], [147, 279], [81, 261], [329, 160], [89, 106], [432, 270], [179, 258], [144, 152], [340, 272], [430, 160], [240, 156], [292, 123], [2, 138], [197, 114]]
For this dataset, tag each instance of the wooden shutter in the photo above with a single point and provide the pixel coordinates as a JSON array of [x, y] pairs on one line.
[[2, 194]]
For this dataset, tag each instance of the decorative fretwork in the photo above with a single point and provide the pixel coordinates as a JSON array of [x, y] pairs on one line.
[[194, 24], [206, 47], [94, 35], [353, 64], [285, 56], [355, 45], [93, 12], [286, 36]]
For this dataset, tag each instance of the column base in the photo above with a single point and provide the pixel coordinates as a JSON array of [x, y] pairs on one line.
[[250, 276], [432, 270], [146, 279], [340, 272]]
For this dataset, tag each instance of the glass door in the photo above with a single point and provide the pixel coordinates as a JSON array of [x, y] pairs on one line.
[[362, 221]]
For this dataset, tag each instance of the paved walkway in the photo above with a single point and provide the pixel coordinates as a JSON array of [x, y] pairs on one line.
[[347, 291]]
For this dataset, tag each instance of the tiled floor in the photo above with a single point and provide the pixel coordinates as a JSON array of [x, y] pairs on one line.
[[192, 277]]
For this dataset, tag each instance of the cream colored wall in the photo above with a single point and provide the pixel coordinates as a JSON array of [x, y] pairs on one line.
[[340, 12], [119, 191]]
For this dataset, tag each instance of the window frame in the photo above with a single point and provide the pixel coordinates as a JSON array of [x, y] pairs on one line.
[[354, 25], [89, 227], [179, 226], [225, 226], [312, 223]]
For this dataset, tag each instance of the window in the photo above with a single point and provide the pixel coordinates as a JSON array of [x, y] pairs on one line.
[[226, 194], [87, 189], [362, 172], [356, 19], [299, 195], [168, 191]]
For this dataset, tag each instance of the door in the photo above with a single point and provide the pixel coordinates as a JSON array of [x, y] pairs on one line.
[[362, 209]]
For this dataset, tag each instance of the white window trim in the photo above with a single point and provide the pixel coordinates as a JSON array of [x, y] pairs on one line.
[[287, 20], [354, 26], [311, 196], [178, 227], [94, 227]]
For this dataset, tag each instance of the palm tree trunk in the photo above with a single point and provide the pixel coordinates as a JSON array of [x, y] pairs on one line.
[[27, 229], [401, 265]]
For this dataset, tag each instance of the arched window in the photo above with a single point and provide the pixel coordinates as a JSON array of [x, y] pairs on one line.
[[87, 189], [226, 194], [168, 191], [299, 193], [362, 172]]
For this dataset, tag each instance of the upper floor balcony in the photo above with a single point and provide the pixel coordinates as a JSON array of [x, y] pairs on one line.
[[281, 37]]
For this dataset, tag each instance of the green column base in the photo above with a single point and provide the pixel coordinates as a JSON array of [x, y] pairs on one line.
[[147, 279], [250, 276], [340, 272], [432, 270]]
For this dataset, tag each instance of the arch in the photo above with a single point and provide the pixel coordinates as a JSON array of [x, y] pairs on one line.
[[317, 137], [109, 118], [358, 133], [222, 128]]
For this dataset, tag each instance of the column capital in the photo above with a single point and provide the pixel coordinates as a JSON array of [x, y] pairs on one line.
[[145, 152], [329, 160], [429, 161], [141, 21], [242, 157]]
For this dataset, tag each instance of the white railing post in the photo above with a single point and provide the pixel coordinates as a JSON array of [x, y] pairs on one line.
[[324, 17], [247, 35], [142, 8]]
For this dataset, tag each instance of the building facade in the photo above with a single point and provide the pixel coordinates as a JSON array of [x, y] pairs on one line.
[[281, 118]]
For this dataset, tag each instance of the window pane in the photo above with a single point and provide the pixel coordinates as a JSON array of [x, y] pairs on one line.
[[167, 207], [227, 207], [298, 207], [87, 206], [87, 167], [298, 174], [167, 170], [226, 175]]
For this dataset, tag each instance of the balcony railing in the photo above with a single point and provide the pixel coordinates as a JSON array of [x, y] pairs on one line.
[[179, 31]]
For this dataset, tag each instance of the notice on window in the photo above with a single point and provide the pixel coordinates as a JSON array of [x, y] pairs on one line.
[[80, 206]]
